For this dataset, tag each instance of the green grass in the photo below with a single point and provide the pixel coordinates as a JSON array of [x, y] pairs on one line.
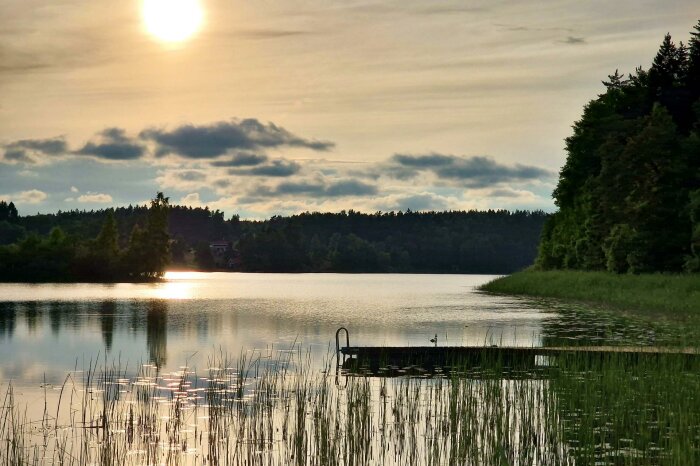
[[679, 294]]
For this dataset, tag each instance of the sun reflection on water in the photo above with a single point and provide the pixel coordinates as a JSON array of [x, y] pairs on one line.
[[177, 286]]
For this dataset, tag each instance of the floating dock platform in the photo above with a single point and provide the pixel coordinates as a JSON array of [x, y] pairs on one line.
[[399, 359]]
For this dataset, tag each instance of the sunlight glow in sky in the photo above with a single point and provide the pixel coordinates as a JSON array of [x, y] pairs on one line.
[[277, 107], [172, 20]]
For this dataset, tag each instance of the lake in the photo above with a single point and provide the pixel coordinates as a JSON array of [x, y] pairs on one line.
[[135, 373], [48, 329]]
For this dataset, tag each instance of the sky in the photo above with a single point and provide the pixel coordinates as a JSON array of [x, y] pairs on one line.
[[274, 107]]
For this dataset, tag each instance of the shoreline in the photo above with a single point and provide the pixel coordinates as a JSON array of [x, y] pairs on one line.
[[674, 293]]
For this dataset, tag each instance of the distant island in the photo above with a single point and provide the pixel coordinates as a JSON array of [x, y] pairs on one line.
[[139, 243], [629, 194]]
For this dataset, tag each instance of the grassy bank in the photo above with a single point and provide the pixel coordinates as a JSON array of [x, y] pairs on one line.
[[667, 293]]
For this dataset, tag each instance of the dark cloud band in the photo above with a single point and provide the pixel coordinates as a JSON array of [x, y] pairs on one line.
[[113, 144], [217, 139], [241, 159], [473, 172], [278, 168], [29, 150]]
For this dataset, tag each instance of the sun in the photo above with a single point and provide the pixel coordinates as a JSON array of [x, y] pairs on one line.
[[172, 20]]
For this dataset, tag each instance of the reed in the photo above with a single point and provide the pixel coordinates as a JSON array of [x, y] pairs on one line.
[[280, 408]]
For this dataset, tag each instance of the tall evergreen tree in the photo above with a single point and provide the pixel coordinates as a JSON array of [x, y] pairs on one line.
[[665, 68], [157, 237], [107, 247], [633, 159], [693, 68], [108, 238], [13, 215]]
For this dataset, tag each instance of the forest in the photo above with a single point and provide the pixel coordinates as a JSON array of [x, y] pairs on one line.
[[629, 192], [52, 254], [105, 244]]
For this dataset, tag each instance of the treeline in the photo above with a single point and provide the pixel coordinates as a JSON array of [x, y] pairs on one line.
[[425, 242], [103, 244], [59, 256], [629, 193]]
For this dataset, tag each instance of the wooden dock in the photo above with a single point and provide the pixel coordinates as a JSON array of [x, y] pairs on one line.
[[378, 359], [402, 359]]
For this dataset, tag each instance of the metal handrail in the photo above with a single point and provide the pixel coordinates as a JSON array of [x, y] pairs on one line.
[[340, 364], [337, 339]]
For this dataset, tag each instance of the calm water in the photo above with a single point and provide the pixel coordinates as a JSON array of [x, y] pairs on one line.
[[48, 330], [165, 334]]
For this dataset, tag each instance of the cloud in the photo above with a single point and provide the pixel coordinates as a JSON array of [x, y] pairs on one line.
[[217, 139], [523, 28], [191, 175], [350, 188], [113, 144], [477, 171], [191, 200], [424, 161], [508, 192], [278, 168], [73, 189], [32, 151], [451, 9], [415, 202], [571, 40], [318, 189], [270, 33], [222, 183], [241, 159], [32, 196], [95, 198]]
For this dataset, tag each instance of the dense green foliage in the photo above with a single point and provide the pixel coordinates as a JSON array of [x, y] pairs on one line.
[[629, 193], [678, 294], [70, 257], [436, 242], [110, 242]]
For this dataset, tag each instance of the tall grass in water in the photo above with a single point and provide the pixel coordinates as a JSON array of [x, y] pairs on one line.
[[274, 409]]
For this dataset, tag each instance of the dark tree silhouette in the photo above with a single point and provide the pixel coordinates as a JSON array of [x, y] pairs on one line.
[[627, 190]]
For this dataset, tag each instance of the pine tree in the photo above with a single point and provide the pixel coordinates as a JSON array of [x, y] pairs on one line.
[[108, 238], [157, 237], [13, 215], [107, 247], [665, 68], [134, 260], [693, 68]]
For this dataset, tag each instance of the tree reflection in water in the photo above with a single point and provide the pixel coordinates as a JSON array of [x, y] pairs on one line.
[[157, 332]]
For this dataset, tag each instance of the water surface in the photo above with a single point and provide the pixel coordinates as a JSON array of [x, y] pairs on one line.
[[47, 330]]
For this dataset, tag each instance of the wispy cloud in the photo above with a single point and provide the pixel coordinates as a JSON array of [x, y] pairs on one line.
[[571, 40], [270, 33]]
